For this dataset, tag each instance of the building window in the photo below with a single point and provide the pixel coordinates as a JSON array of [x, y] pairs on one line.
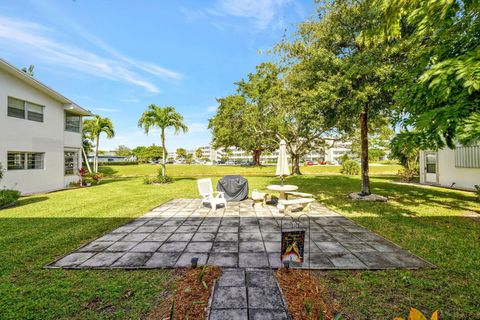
[[25, 110], [71, 162], [34, 112], [467, 157], [72, 123], [16, 108], [24, 160]]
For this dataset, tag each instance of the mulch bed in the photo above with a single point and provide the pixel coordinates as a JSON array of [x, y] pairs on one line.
[[190, 294], [306, 297]]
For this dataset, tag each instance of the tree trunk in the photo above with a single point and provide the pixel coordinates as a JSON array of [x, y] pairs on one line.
[[95, 165], [86, 160], [256, 157], [164, 155], [364, 151], [295, 164]]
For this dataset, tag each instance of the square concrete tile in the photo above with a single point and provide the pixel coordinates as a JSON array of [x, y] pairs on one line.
[[207, 228], [158, 236], [199, 247], [230, 298], [102, 260], [121, 246], [143, 229], [112, 237], [261, 279], [272, 236], [164, 229], [345, 260], [230, 246], [173, 246], [252, 260], [250, 236], [331, 247], [230, 314], [204, 236], [96, 246], [132, 259], [252, 247], [163, 260], [135, 237], [232, 278], [264, 298], [375, 260], [74, 259], [266, 314], [223, 236], [185, 259], [180, 236], [146, 247], [187, 229], [223, 259], [227, 229], [318, 260], [358, 247], [272, 246]]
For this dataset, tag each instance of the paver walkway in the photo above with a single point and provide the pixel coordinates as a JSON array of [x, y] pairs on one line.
[[242, 294], [239, 236]]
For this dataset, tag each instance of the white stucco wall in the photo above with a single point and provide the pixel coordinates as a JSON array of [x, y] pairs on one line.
[[30, 136], [464, 178]]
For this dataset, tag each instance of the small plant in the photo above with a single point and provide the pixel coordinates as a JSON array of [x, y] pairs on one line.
[[164, 179], [148, 180], [172, 310], [201, 275], [418, 315], [92, 178], [308, 305], [407, 175], [8, 197], [350, 168]]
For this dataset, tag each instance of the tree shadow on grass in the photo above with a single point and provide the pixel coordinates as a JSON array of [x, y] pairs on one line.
[[29, 200]]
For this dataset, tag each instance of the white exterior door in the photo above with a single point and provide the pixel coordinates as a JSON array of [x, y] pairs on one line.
[[431, 167]]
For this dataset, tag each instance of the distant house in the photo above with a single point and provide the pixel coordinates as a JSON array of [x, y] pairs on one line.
[[457, 168], [40, 134], [111, 157]]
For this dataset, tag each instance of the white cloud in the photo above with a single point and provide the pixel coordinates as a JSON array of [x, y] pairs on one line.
[[212, 108], [38, 40], [110, 110], [264, 13]]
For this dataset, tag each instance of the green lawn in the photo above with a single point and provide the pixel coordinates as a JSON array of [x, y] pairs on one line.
[[428, 221], [200, 170]]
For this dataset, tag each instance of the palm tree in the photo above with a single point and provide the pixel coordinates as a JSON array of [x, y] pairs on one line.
[[93, 128], [163, 118]]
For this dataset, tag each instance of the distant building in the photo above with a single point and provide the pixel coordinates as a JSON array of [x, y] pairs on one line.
[[330, 154], [457, 168], [111, 157]]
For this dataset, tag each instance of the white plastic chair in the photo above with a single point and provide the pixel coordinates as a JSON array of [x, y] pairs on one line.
[[208, 195]]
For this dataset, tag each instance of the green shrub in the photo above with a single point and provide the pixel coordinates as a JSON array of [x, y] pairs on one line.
[[8, 197], [92, 178], [158, 179], [407, 175], [350, 168]]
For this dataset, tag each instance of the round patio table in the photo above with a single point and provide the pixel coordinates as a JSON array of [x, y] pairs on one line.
[[282, 189]]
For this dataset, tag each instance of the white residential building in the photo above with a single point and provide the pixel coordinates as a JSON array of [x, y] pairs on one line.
[[40, 134], [330, 154], [457, 168]]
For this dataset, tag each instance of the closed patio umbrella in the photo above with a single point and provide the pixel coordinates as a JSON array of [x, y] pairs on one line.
[[282, 162]]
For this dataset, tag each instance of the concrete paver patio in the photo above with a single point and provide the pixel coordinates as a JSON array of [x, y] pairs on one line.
[[239, 236]]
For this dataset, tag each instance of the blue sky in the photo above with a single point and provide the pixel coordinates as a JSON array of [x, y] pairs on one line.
[[117, 57]]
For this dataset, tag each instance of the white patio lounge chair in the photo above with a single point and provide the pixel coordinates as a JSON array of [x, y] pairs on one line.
[[208, 195]]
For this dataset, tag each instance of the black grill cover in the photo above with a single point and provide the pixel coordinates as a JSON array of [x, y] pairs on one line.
[[235, 188]]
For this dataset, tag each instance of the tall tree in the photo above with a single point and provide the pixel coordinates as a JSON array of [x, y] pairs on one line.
[[441, 98], [198, 153], [181, 153], [123, 151], [93, 128], [349, 78], [240, 124], [163, 118]]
